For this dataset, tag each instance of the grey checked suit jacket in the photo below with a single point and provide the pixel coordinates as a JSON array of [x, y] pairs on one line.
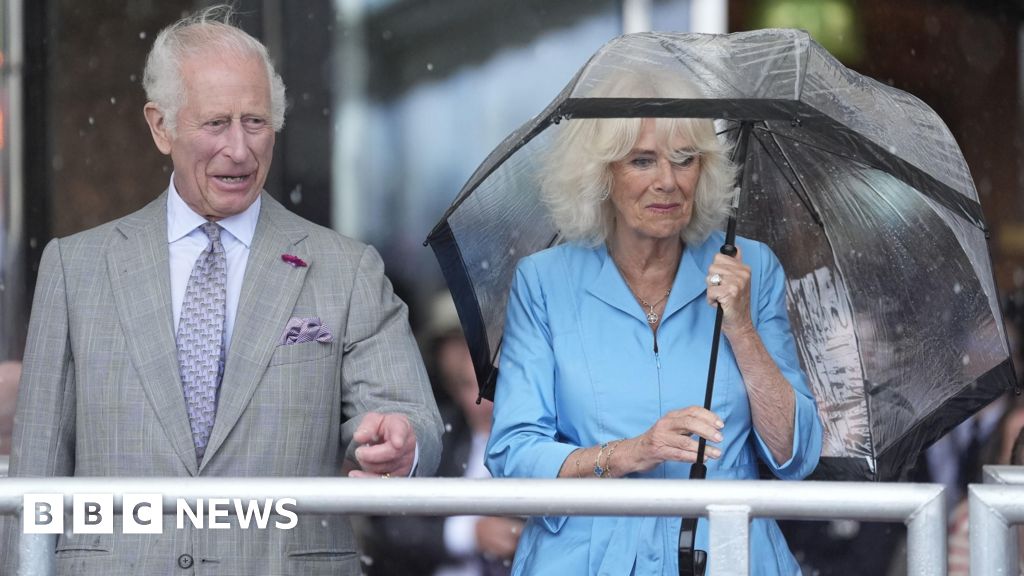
[[101, 395]]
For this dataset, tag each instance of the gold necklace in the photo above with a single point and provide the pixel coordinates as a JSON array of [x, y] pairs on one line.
[[652, 316]]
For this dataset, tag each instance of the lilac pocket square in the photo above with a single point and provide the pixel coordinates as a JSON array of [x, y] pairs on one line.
[[301, 330]]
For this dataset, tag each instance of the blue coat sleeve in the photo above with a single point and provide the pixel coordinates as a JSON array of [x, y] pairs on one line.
[[524, 440], [773, 326]]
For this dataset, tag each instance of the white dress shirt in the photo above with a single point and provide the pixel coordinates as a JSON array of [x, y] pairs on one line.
[[186, 241], [460, 531]]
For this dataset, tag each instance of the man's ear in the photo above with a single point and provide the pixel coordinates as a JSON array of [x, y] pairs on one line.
[[157, 127]]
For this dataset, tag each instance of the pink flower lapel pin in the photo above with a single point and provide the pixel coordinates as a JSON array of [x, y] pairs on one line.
[[295, 261]]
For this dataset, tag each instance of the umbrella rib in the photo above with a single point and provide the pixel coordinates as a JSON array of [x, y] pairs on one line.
[[804, 197], [787, 172], [964, 207], [811, 145]]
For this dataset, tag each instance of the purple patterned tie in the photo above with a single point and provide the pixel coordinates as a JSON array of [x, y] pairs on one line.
[[201, 337]]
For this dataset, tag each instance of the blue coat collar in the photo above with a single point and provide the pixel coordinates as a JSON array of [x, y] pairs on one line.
[[610, 287]]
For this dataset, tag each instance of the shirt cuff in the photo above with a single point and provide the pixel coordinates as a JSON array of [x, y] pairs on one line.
[[415, 461], [460, 535]]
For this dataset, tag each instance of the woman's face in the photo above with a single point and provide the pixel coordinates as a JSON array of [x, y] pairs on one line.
[[653, 186]]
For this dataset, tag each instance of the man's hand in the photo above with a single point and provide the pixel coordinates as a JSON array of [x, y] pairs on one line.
[[387, 446]]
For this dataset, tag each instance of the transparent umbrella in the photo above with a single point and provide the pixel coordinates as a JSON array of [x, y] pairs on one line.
[[858, 187]]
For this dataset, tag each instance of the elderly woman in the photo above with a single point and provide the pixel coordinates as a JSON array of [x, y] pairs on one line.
[[605, 352]]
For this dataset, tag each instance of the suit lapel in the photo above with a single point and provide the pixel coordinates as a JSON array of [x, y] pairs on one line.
[[269, 291], [137, 264]]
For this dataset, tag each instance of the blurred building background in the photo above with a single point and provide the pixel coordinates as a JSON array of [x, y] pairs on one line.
[[393, 103]]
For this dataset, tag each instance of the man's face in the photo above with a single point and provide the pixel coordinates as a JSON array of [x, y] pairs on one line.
[[224, 140]]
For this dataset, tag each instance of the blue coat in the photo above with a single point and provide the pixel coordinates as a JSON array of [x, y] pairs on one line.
[[578, 368]]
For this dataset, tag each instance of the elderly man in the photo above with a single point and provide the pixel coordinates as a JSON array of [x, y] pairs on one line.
[[214, 333]]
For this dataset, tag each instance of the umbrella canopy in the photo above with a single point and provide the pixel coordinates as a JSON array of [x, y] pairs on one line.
[[858, 187]]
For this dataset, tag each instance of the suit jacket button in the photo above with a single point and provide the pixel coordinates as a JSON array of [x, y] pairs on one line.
[[184, 561]]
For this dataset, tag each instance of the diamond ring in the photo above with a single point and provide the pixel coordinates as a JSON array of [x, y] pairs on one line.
[[715, 279]]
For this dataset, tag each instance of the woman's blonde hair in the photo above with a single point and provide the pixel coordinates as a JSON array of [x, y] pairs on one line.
[[576, 178]]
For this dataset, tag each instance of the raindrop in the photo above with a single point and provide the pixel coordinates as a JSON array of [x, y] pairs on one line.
[[33, 243], [323, 523], [485, 265], [142, 35], [465, 465], [132, 78], [386, 35], [957, 288], [447, 427], [966, 360], [366, 560], [430, 66], [305, 96], [1018, 277], [113, 100], [892, 149], [511, 251], [913, 52], [296, 194], [57, 162], [326, 112], [844, 529], [92, 121]]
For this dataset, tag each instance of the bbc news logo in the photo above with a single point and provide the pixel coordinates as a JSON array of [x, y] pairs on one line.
[[143, 513]]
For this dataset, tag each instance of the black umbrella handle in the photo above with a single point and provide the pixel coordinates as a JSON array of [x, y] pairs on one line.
[[693, 562], [699, 470]]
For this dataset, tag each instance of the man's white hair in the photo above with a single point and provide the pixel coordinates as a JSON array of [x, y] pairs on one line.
[[205, 32]]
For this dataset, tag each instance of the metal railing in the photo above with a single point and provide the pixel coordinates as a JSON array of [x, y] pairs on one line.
[[995, 507], [1003, 474], [728, 505]]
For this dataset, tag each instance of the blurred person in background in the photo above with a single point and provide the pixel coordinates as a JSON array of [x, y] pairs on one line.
[[955, 459], [1001, 446], [455, 545], [10, 375], [213, 333], [998, 450]]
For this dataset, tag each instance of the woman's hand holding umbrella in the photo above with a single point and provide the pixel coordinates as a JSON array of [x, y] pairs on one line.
[[672, 438], [771, 397], [729, 287]]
